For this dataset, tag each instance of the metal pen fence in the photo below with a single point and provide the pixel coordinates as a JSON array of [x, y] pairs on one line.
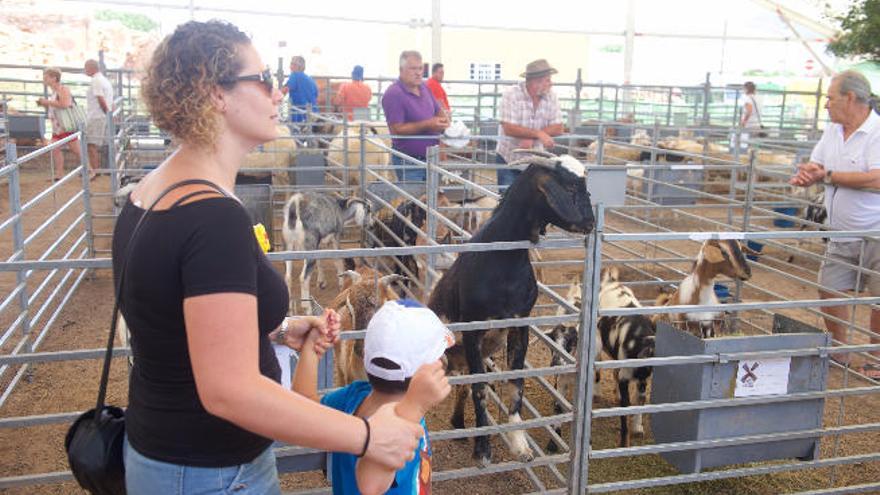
[[649, 237]]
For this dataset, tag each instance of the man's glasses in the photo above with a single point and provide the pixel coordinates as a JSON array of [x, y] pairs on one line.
[[265, 78]]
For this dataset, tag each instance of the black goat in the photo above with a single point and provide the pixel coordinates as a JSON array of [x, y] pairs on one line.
[[394, 229], [491, 285], [815, 213]]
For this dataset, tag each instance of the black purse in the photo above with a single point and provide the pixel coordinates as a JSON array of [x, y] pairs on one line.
[[94, 441]]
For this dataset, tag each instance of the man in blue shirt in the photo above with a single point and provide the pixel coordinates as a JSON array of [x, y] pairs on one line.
[[302, 90]]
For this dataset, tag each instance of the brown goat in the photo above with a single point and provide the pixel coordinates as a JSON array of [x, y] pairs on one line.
[[716, 257], [363, 293]]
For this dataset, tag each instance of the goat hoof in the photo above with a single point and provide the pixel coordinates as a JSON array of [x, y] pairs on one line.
[[527, 456], [483, 454]]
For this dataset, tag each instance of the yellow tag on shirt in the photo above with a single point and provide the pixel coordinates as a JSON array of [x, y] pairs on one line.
[[262, 237]]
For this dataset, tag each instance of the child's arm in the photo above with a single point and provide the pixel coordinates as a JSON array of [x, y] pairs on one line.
[[428, 387], [315, 344], [305, 376]]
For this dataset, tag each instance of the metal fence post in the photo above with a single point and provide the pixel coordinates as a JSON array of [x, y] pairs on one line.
[[346, 162], [815, 127], [478, 111], [669, 107], [707, 93], [87, 195], [111, 150], [601, 101], [363, 167], [782, 111], [18, 234], [578, 86], [747, 214], [432, 161], [579, 469]]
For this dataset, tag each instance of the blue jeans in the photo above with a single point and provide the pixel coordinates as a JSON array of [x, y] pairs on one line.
[[505, 176], [407, 174], [145, 476]]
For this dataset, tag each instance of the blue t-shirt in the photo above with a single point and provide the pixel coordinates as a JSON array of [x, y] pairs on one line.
[[413, 479], [302, 91]]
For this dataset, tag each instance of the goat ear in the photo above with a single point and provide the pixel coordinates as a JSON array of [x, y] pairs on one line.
[[712, 253], [559, 200]]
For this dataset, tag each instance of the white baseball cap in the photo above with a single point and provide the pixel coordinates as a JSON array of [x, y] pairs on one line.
[[406, 333]]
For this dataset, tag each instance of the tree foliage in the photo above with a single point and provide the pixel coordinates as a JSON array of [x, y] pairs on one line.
[[137, 22], [861, 31]]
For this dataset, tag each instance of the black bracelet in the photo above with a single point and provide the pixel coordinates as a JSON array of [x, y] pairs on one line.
[[366, 440]]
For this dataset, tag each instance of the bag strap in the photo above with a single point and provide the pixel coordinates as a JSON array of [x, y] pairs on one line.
[[105, 372], [757, 113]]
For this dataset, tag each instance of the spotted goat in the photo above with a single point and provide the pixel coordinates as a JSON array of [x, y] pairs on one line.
[[618, 337]]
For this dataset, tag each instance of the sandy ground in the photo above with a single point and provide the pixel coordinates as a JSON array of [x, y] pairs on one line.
[[71, 386]]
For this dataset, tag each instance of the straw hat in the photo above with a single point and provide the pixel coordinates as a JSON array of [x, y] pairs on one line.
[[538, 68]]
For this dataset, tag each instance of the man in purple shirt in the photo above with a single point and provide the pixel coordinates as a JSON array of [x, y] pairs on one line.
[[411, 110]]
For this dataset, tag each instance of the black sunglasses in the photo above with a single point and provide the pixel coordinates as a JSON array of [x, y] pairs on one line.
[[265, 78]]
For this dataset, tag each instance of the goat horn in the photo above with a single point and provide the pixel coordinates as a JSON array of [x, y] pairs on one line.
[[390, 279], [355, 276], [537, 160], [544, 153]]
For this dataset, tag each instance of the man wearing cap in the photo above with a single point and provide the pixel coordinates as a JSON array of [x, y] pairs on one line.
[[402, 349], [302, 90], [411, 110], [354, 94], [530, 117]]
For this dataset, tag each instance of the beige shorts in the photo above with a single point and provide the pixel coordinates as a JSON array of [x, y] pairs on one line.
[[96, 131], [838, 276]]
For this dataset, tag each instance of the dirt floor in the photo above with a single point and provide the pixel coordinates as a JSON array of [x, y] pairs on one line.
[[71, 386]]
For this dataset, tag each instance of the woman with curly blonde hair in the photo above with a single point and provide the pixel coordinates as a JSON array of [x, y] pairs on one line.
[[202, 300]]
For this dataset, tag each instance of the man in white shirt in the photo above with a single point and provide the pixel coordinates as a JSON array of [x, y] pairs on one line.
[[99, 101], [847, 160]]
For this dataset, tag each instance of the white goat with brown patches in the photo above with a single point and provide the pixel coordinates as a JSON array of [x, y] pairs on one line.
[[363, 293], [716, 257]]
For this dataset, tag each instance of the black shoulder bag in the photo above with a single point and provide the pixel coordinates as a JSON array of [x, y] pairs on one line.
[[94, 441]]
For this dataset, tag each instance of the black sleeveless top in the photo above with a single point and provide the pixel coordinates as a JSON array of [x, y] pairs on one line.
[[204, 247]]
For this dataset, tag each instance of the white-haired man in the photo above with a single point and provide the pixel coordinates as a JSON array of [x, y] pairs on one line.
[[411, 110], [847, 161], [99, 102]]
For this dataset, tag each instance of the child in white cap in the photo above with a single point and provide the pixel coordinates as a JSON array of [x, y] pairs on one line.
[[402, 349]]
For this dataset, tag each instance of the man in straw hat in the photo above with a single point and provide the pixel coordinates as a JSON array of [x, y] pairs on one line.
[[530, 117]]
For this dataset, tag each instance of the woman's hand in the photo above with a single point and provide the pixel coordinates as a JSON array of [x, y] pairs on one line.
[[43, 102], [393, 440], [327, 325]]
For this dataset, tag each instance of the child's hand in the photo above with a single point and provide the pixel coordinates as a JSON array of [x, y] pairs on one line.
[[318, 342], [427, 388], [298, 328]]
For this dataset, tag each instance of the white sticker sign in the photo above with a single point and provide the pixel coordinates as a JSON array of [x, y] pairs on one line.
[[762, 377]]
